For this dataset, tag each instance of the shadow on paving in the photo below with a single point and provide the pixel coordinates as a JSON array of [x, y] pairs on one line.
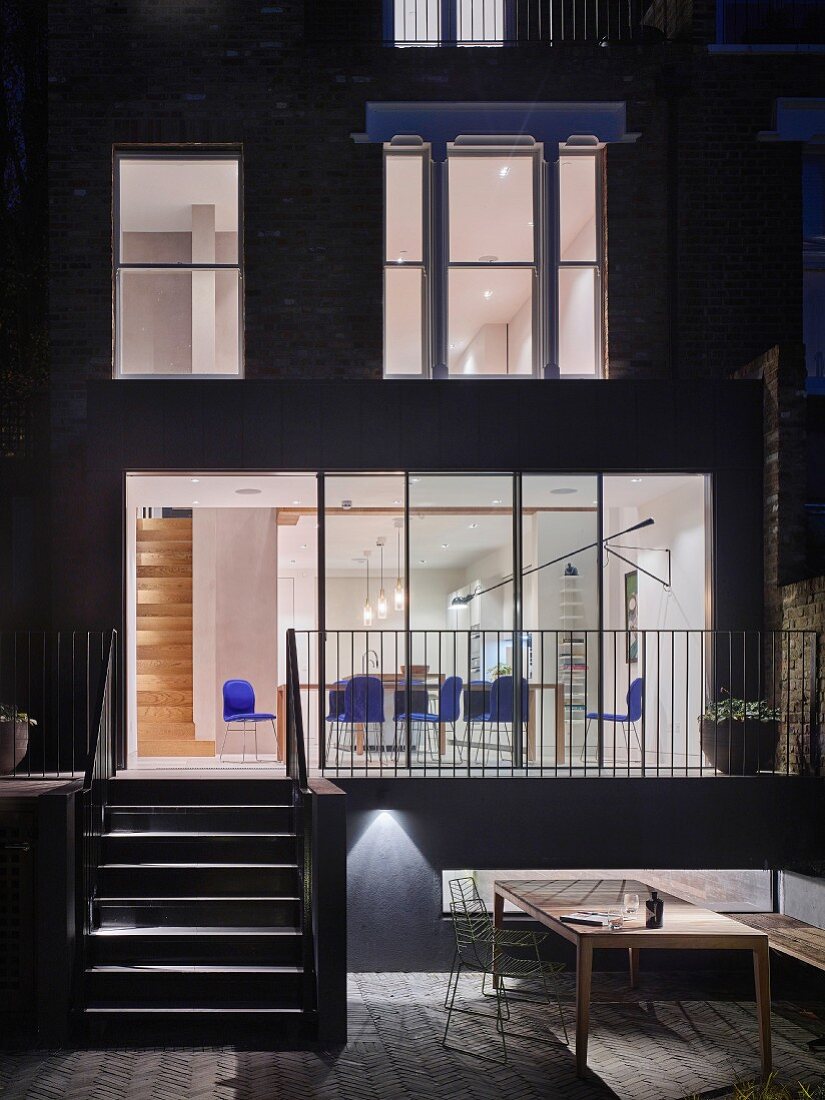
[[676, 1036]]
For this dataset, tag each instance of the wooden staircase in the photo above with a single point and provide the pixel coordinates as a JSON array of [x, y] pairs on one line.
[[165, 725]]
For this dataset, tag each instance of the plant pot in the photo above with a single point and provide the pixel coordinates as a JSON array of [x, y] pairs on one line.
[[739, 748], [14, 741]]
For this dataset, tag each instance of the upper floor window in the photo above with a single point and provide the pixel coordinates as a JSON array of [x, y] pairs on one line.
[[492, 260], [177, 264], [453, 22]]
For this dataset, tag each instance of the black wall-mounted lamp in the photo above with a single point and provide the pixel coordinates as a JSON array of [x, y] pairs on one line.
[[462, 601]]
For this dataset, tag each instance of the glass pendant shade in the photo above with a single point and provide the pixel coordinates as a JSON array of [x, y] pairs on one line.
[[382, 604], [368, 614], [398, 596]]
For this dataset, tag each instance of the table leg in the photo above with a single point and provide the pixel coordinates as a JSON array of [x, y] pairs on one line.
[[359, 740], [584, 973], [762, 981], [442, 738], [498, 922], [633, 952]]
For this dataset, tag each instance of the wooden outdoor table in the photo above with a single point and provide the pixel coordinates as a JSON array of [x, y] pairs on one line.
[[685, 926]]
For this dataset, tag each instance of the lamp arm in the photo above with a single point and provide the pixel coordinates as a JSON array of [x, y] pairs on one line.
[[463, 600], [641, 569]]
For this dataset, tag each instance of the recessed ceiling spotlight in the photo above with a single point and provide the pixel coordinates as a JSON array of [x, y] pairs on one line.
[[452, 347], [496, 501], [635, 480], [488, 294], [402, 256], [196, 502], [488, 259], [292, 561], [303, 546], [296, 502], [414, 480], [248, 492], [422, 561], [396, 502], [504, 171], [595, 502], [445, 546], [194, 480], [563, 492], [472, 526], [530, 225]]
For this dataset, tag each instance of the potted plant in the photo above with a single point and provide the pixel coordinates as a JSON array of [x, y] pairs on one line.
[[14, 736], [739, 736], [500, 670]]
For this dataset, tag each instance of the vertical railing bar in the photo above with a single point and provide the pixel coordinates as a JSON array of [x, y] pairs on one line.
[[687, 700], [42, 703], [788, 703], [658, 701], [672, 702]]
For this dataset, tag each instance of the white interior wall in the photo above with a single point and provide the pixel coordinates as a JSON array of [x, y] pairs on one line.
[[234, 587], [674, 691], [520, 340]]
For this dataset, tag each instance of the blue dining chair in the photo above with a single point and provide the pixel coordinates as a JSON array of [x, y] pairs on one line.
[[363, 706], [500, 713], [635, 703], [449, 708], [239, 706]]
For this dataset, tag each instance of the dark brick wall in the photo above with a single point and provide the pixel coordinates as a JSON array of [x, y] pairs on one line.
[[228, 70], [703, 221]]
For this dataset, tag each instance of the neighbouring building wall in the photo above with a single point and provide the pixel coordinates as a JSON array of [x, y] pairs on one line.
[[234, 596], [793, 601]]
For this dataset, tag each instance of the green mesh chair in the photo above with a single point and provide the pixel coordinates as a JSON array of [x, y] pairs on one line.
[[500, 954]]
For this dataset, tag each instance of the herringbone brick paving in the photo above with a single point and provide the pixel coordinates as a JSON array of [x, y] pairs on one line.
[[656, 1043]]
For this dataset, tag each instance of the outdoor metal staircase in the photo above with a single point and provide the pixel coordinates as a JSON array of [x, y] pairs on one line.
[[198, 908]]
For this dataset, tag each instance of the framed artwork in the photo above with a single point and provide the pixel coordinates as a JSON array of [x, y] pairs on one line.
[[631, 615]]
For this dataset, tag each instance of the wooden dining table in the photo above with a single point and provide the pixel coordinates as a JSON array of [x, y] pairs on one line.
[[685, 926]]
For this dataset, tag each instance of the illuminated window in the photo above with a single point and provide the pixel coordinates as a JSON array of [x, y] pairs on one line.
[[450, 22], [491, 270], [177, 265]]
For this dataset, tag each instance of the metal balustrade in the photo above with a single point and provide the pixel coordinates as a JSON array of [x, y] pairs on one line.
[[710, 703], [48, 694]]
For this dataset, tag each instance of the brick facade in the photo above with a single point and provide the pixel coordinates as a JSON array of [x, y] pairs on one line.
[[703, 220], [793, 601]]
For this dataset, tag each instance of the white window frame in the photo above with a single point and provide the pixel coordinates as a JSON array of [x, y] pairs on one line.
[[171, 154], [546, 264], [597, 265], [447, 18]]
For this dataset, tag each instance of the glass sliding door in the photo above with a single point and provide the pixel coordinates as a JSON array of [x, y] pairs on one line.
[[656, 610], [560, 533], [364, 614], [461, 605]]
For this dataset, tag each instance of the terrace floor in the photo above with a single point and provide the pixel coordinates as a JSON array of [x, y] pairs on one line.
[[679, 1035]]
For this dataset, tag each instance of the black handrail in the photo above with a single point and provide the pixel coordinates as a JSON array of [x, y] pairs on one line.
[[100, 767], [296, 769]]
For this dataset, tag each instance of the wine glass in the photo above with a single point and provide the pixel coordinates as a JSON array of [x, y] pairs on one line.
[[631, 905]]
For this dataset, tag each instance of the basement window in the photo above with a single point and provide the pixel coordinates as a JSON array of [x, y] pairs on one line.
[[177, 264]]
